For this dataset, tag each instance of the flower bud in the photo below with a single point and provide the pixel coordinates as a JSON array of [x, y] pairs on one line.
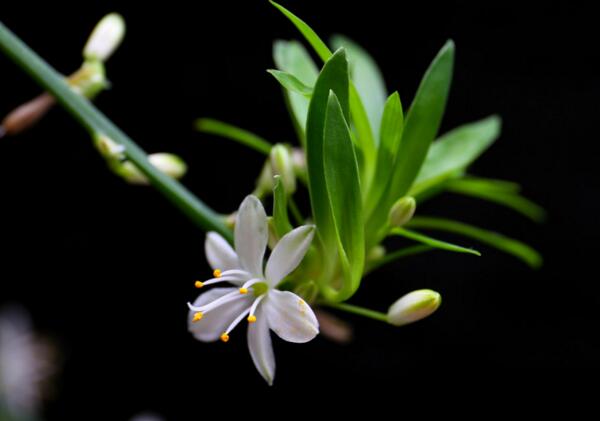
[[282, 165], [169, 164], [26, 115], [105, 38], [402, 211], [108, 148], [414, 306], [264, 183]]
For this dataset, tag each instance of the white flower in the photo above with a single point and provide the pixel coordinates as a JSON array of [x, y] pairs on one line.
[[255, 298]]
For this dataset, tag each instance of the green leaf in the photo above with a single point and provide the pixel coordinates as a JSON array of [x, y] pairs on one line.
[[367, 78], [392, 124], [365, 144], [343, 187], [455, 151], [480, 189], [322, 50], [333, 77], [422, 122], [228, 131], [508, 245], [432, 242], [280, 214], [398, 254], [291, 83], [291, 57]]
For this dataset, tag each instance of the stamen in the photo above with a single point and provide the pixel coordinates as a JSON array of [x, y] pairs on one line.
[[217, 273], [234, 295], [251, 319], [197, 316], [250, 283], [225, 337], [198, 284], [221, 278], [253, 308], [243, 290], [237, 272]]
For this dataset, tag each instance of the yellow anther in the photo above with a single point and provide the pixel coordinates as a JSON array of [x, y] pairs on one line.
[[251, 319], [243, 290], [197, 316], [224, 337], [217, 273], [198, 284]]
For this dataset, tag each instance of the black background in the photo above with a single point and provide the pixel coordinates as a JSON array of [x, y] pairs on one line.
[[106, 268]]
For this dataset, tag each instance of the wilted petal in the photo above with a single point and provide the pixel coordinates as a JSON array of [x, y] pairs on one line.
[[219, 253], [261, 348], [290, 316], [251, 235], [288, 253], [214, 323]]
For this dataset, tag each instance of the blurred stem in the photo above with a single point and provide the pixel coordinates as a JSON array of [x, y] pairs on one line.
[[295, 211], [361, 311], [95, 122]]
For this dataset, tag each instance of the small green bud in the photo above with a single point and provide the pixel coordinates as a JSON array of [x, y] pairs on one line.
[[414, 306], [105, 38], [402, 211], [170, 164], [108, 148], [89, 80], [282, 165], [264, 183]]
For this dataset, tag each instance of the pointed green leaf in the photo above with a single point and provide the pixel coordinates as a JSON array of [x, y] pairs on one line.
[[291, 82], [499, 241], [280, 213], [422, 122], [291, 57], [364, 141], [310, 35], [479, 189], [367, 78], [392, 124], [228, 131], [333, 77], [432, 242], [455, 151], [343, 187]]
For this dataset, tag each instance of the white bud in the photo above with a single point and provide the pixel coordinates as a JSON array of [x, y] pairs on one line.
[[282, 165], [89, 80], [402, 211], [414, 306], [105, 38], [170, 164]]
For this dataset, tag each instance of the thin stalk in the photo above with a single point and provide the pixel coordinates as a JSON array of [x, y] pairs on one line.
[[95, 121], [296, 214], [398, 254], [361, 311]]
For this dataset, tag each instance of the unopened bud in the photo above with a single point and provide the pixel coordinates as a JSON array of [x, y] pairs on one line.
[[109, 148], [402, 211], [89, 80], [26, 115], [264, 183], [167, 163], [282, 165], [414, 306], [105, 38]]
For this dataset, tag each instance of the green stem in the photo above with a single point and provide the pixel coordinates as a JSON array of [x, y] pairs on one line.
[[295, 211], [95, 122], [361, 311], [398, 254]]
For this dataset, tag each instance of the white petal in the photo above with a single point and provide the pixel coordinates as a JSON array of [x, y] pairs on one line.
[[251, 235], [288, 253], [214, 323], [219, 253], [290, 316], [261, 348]]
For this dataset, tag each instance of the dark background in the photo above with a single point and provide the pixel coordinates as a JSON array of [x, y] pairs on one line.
[[106, 268]]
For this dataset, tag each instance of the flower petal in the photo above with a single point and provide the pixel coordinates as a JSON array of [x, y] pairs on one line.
[[214, 323], [251, 235], [288, 253], [290, 317], [219, 253], [261, 348]]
